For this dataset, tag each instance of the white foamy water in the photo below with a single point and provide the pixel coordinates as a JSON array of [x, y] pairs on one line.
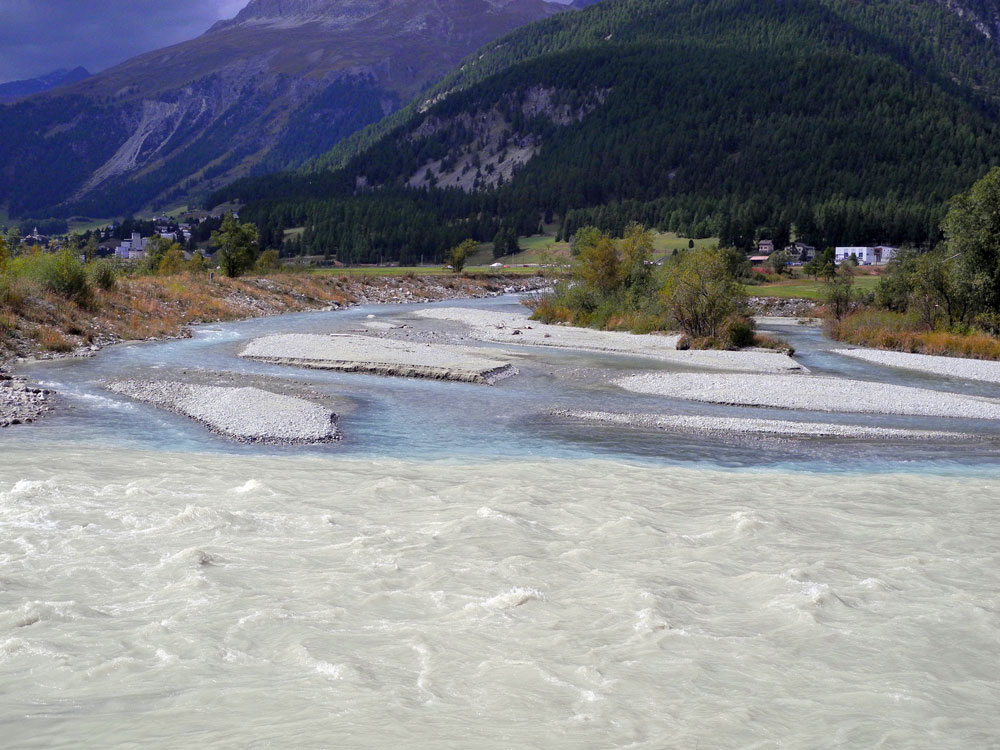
[[210, 601]]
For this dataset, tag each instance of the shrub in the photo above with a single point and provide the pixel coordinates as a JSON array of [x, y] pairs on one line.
[[103, 274], [62, 273], [268, 262], [13, 294], [701, 295], [738, 332], [53, 341]]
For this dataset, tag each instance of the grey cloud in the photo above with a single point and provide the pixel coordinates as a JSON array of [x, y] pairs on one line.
[[37, 36]]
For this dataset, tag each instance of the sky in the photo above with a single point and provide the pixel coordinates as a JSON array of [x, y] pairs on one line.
[[39, 36]]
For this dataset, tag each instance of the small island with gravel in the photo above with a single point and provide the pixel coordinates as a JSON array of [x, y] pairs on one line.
[[376, 356], [247, 415]]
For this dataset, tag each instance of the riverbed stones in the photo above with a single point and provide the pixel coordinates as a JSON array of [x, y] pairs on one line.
[[21, 403], [376, 356], [247, 415], [947, 367], [709, 425], [811, 393]]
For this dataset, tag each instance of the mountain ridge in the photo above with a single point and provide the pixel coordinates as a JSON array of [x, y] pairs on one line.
[[244, 97], [851, 121], [13, 90]]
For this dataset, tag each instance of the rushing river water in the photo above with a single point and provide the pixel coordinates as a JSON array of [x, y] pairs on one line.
[[463, 573]]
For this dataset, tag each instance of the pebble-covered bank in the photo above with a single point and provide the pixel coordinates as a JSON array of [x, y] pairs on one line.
[[700, 424], [812, 393], [248, 415], [21, 403], [375, 356], [984, 371]]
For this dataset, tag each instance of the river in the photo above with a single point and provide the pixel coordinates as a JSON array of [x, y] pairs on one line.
[[462, 571]]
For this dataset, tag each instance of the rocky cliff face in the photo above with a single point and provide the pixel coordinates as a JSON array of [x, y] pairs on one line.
[[279, 84]]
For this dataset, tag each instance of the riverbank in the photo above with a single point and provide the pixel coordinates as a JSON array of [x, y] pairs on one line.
[[43, 325]]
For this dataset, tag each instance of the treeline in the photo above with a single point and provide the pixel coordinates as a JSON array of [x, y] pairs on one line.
[[728, 118]]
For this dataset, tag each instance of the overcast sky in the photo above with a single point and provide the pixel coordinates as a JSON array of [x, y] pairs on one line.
[[38, 36]]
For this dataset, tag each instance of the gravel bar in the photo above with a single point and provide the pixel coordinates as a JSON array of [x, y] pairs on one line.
[[248, 415], [949, 367], [513, 328], [375, 356], [742, 426], [812, 393], [21, 403]]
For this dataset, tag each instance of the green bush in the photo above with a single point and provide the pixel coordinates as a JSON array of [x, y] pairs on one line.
[[62, 273], [738, 332], [103, 274]]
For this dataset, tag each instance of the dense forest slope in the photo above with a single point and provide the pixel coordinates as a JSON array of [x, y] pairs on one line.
[[279, 84], [847, 120]]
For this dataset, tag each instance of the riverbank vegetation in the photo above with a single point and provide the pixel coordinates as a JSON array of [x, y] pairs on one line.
[[615, 286], [56, 303], [945, 301]]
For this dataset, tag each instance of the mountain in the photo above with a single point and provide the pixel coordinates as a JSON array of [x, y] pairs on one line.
[[850, 121], [19, 89], [280, 83]]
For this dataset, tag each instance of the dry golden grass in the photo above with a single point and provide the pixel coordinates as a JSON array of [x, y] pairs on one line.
[[881, 329], [52, 340], [141, 307]]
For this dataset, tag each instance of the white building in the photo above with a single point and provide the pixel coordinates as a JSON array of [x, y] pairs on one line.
[[132, 249], [867, 256]]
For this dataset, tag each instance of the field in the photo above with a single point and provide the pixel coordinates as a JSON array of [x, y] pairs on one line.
[[543, 248], [806, 288]]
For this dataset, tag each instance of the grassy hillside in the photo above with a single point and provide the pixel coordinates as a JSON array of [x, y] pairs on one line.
[[843, 122]]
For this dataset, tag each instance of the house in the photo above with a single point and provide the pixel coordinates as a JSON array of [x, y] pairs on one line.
[[800, 252], [765, 247], [866, 256], [759, 261]]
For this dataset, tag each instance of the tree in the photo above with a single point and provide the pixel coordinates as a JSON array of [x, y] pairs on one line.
[[156, 248], [585, 237], [90, 249], [238, 244], [197, 263], [4, 253], [459, 254], [778, 261], [824, 264], [840, 292], [972, 232], [635, 251], [505, 243], [172, 261], [14, 240], [598, 266], [268, 262], [701, 295]]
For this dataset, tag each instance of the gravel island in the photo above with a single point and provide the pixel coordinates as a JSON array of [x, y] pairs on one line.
[[813, 394], [513, 328], [248, 415], [744, 426], [376, 356], [985, 371]]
